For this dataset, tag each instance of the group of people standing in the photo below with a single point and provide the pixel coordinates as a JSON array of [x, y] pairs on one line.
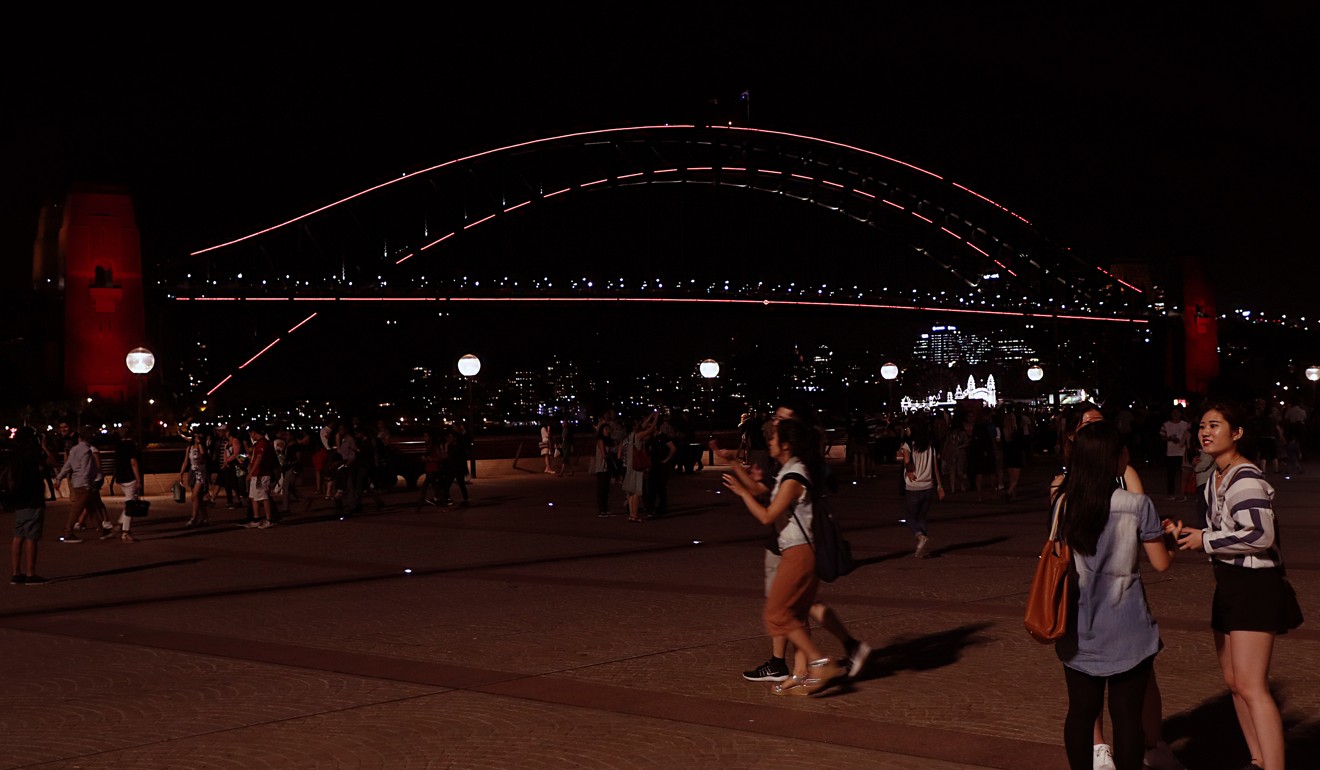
[[1113, 637], [31, 479], [257, 469], [448, 461], [640, 455]]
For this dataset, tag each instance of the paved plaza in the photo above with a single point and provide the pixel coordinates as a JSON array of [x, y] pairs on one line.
[[523, 631]]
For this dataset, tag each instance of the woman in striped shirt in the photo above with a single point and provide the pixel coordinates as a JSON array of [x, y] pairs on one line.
[[1252, 602]]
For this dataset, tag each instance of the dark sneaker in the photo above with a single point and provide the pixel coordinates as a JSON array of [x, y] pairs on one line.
[[35, 580], [769, 671], [18, 580], [107, 533], [69, 537]]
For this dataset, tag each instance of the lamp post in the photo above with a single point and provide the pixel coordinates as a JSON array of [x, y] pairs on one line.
[[1035, 373], [468, 366], [1313, 374], [890, 372], [709, 369], [140, 362]]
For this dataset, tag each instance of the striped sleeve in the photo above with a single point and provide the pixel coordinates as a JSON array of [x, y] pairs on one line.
[[1242, 521]]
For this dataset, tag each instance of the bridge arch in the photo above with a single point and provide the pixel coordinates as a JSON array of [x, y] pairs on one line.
[[369, 244]]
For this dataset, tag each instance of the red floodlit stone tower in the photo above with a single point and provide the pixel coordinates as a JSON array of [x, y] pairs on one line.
[[1200, 329], [103, 293]]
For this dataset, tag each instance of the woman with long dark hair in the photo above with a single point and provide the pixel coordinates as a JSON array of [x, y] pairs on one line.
[[1158, 754], [1253, 602], [1112, 637], [921, 479], [797, 447]]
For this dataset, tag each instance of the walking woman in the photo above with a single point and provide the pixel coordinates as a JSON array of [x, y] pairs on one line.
[[195, 476], [793, 590], [1112, 637], [921, 479], [1015, 451], [1253, 602]]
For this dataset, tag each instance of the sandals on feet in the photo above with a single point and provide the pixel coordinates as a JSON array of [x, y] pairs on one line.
[[820, 673], [790, 686]]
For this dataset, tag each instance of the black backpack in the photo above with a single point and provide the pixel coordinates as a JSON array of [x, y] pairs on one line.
[[833, 551]]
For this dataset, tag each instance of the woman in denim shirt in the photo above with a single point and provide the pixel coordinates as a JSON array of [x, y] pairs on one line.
[[1112, 637]]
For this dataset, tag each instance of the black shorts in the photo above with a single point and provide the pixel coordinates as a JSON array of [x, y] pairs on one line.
[[1253, 600]]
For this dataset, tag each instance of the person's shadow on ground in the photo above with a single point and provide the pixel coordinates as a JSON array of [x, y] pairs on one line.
[[922, 653], [1213, 740]]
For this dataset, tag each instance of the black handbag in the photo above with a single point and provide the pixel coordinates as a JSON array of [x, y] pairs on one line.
[[136, 508]]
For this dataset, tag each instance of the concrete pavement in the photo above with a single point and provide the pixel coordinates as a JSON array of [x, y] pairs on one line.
[[523, 631]]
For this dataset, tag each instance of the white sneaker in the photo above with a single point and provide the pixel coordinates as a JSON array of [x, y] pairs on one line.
[[857, 661], [1102, 757], [1161, 757]]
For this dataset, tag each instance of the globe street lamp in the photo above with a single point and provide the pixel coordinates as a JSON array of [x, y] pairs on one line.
[[890, 372], [468, 366], [140, 362], [709, 369], [1035, 373], [1313, 374]]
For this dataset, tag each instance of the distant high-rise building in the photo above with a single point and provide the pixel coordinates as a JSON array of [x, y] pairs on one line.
[[813, 371], [946, 344]]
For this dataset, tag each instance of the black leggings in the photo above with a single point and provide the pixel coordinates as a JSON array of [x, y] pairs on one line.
[[1086, 698], [603, 492], [1172, 473]]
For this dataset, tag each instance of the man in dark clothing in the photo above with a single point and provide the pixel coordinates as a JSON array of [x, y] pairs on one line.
[[663, 451], [758, 449], [26, 498], [128, 460]]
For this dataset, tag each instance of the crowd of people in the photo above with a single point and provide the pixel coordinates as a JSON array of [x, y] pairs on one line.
[[1098, 506]]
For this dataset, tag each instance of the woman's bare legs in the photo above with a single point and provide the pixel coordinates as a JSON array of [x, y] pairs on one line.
[[1244, 657]]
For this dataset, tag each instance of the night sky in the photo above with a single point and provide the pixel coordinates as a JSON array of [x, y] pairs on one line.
[[1127, 133]]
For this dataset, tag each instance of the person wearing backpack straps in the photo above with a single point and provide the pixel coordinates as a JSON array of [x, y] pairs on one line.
[[856, 651], [787, 607]]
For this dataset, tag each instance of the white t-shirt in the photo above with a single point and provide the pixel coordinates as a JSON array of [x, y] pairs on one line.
[[793, 531], [1179, 433], [925, 469]]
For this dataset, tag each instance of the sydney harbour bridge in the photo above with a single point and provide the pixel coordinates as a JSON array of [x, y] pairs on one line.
[[473, 231]]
